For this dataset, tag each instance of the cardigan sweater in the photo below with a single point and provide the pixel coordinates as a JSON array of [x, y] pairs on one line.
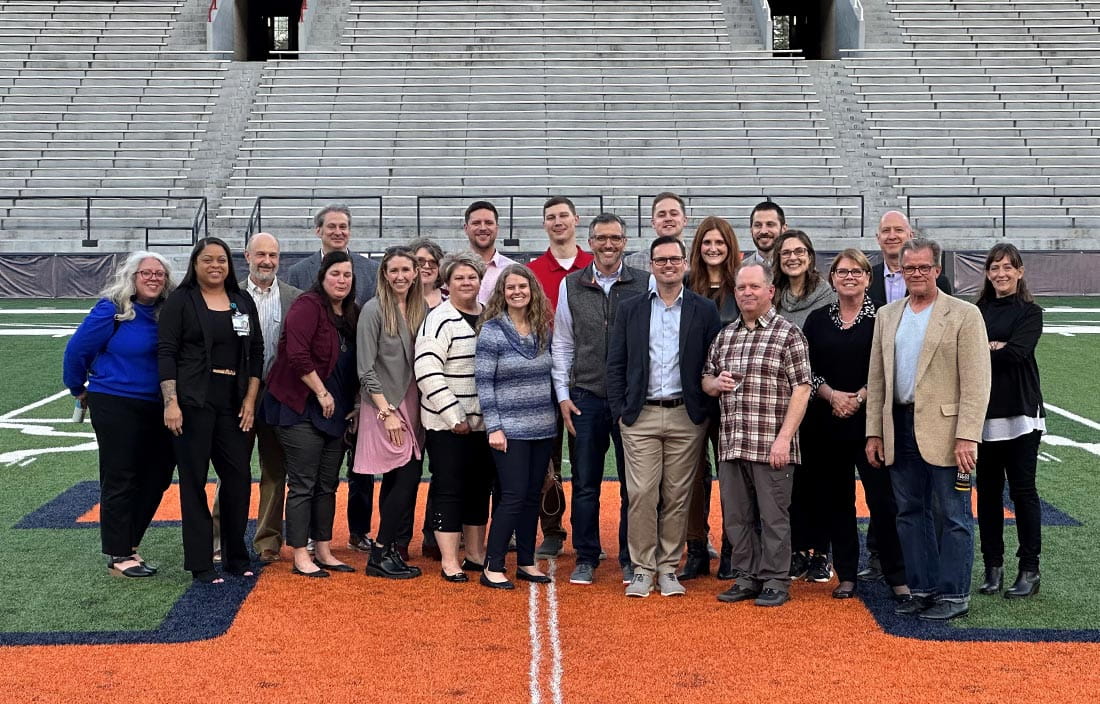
[[309, 343], [444, 369]]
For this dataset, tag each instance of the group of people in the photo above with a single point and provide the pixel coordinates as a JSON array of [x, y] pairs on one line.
[[794, 379]]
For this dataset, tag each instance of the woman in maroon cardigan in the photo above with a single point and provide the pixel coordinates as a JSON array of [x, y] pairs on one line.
[[311, 392]]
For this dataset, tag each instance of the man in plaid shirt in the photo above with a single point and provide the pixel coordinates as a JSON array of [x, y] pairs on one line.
[[759, 368]]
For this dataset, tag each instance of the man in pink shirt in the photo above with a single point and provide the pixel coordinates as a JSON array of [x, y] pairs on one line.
[[564, 256]]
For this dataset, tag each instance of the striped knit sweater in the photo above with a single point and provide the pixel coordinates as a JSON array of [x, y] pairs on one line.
[[444, 368], [513, 382]]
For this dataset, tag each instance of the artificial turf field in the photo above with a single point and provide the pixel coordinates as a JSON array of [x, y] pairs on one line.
[[71, 633]]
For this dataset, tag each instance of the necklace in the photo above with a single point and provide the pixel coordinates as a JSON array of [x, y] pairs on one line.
[[846, 323]]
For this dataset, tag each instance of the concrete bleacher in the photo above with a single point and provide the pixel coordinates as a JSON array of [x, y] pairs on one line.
[[93, 104], [986, 99], [613, 98]]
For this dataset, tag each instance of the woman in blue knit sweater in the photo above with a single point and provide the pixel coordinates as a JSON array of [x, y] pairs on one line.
[[513, 384], [111, 366]]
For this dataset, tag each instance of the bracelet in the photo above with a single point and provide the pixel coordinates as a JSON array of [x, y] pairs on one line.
[[384, 413], [322, 394]]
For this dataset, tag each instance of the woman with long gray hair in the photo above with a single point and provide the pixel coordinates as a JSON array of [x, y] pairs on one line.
[[111, 367]]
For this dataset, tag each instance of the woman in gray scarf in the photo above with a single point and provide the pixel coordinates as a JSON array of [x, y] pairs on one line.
[[799, 288]]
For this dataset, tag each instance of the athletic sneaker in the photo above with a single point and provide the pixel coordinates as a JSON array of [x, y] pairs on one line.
[[640, 586], [551, 547], [800, 563], [582, 574], [628, 573], [669, 585], [820, 570]]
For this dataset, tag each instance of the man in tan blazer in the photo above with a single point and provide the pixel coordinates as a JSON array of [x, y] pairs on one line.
[[927, 392]]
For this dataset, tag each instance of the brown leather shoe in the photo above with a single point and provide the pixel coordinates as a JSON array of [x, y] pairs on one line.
[[267, 556]]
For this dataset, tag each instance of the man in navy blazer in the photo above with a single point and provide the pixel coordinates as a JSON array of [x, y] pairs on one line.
[[654, 388]]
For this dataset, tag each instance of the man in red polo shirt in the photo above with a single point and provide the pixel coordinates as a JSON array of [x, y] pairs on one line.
[[559, 219]]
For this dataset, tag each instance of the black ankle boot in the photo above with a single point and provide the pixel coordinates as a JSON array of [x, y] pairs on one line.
[[386, 562], [698, 560], [1027, 584], [725, 562], [994, 580]]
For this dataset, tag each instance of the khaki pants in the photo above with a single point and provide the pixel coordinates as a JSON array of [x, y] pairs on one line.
[[747, 487], [662, 453]]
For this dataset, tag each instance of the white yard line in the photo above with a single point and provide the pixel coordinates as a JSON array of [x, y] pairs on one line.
[[44, 311], [31, 406], [1070, 309], [533, 684], [1073, 416], [554, 633], [37, 332]]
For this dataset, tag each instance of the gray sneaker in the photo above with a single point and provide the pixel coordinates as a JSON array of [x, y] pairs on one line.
[[582, 574], [640, 586], [551, 547], [628, 573], [669, 585]]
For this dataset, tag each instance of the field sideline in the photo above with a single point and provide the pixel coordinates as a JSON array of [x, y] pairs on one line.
[[69, 632]]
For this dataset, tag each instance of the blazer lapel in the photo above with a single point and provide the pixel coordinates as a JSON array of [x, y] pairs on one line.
[[687, 310], [937, 324], [200, 307]]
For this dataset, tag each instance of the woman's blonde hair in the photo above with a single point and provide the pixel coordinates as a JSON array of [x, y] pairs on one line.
[[538, 316], [122, 287], [415, 308]]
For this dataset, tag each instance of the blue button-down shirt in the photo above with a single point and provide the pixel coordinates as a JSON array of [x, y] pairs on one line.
[[664, 346]]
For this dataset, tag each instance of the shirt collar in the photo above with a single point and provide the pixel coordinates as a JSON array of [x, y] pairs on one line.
[[653, 291], [761, 322], [597, 274], [886, 270], [499, 260], [252, 288]]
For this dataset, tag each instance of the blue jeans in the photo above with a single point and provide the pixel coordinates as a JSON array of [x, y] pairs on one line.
[[595, 433], [521, 472], [927, 499]]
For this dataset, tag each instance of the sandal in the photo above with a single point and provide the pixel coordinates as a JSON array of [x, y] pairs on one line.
[[207, 577]]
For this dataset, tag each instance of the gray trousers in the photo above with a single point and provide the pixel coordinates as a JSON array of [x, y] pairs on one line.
[[750, 489], [313, 472]]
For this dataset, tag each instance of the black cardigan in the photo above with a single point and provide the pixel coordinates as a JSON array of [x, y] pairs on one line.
[[1015, 387], [184, 342]]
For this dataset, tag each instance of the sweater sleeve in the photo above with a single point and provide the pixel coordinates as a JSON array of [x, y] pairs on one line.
[[86, 343], [431, 356], [485, 373], [1020, 346], [367, 335], [299, 328]]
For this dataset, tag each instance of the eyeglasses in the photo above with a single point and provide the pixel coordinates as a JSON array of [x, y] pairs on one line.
[[923, 269], [604, 239], [153, 274], [428, 263], [845, 273], [663, 261], [791, 253]]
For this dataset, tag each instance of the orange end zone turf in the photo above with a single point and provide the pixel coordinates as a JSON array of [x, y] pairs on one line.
[[357, 639]]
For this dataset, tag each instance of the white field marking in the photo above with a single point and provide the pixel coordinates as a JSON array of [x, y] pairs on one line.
[[1070, 309], [43, 311], [1059, 441], [37, 332], [27, 461], [1070, 330], [1047, 457], [10, 415], [533, 684], [554, 634], [1072, 416], [17, 456]]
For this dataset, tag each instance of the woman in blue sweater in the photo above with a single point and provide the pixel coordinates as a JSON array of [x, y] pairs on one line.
[[111, 367], [513, 384]]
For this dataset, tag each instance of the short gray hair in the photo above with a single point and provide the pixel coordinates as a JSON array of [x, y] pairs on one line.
[[319, 218], [121, 289], [918, 243], [453, 261], [769, 276]]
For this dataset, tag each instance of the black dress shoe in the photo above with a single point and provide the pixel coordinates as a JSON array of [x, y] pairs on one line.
[[872, 572], [912, 605], [320, 574], [698, 561], [387, 563], [842, 592], [994, 580], [469, 565], [338, 567], [1027, 584], [456, 578], [945, 611], [486, 582], [138, 570], [536, 578]]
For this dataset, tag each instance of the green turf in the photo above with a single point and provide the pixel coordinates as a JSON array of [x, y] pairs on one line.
[[57, 580]]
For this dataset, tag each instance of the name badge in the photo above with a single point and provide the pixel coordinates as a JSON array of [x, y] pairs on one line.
[[240, 324]]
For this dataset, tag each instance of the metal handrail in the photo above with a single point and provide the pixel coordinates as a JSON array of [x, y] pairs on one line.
[[510, 240], [763, 196], [255, 218], [1003, 197]]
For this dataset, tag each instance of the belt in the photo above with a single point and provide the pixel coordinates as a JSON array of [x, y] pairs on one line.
[[665, 402], [226, 372]]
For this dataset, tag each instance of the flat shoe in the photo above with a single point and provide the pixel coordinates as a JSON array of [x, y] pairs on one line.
[[485, 582], [318, 573], [469, 565], [841, 593], [536, 578], [338, 567], [457, 578], [268, 556]]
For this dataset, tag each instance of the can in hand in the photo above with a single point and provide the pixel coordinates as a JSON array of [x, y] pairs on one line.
[[962, 481], [80, 411]]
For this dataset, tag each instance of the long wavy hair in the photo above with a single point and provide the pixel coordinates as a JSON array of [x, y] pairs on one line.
[[1005, 250], [349, 310], [782, 281], [415, 307], [698, 279], [538, 315], [121, 289]]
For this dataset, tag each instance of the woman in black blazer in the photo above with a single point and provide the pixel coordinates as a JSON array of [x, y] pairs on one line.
[[210, 358]]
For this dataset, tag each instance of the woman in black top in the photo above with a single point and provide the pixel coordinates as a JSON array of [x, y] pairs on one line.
[[1014, 422], [839, 336], [714, 260], [210, 356]]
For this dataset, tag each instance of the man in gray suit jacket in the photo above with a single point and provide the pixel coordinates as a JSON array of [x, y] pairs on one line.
[[272, 299], [333, 223]]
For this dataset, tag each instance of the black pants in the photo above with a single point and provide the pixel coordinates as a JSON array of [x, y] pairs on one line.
[[879, 492], [312, 474], [212, 434], [1015, 459], [360, 499], [397, 501], [809, 520], [135, 467], [462, 479], [521, 472], [837, 479]]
